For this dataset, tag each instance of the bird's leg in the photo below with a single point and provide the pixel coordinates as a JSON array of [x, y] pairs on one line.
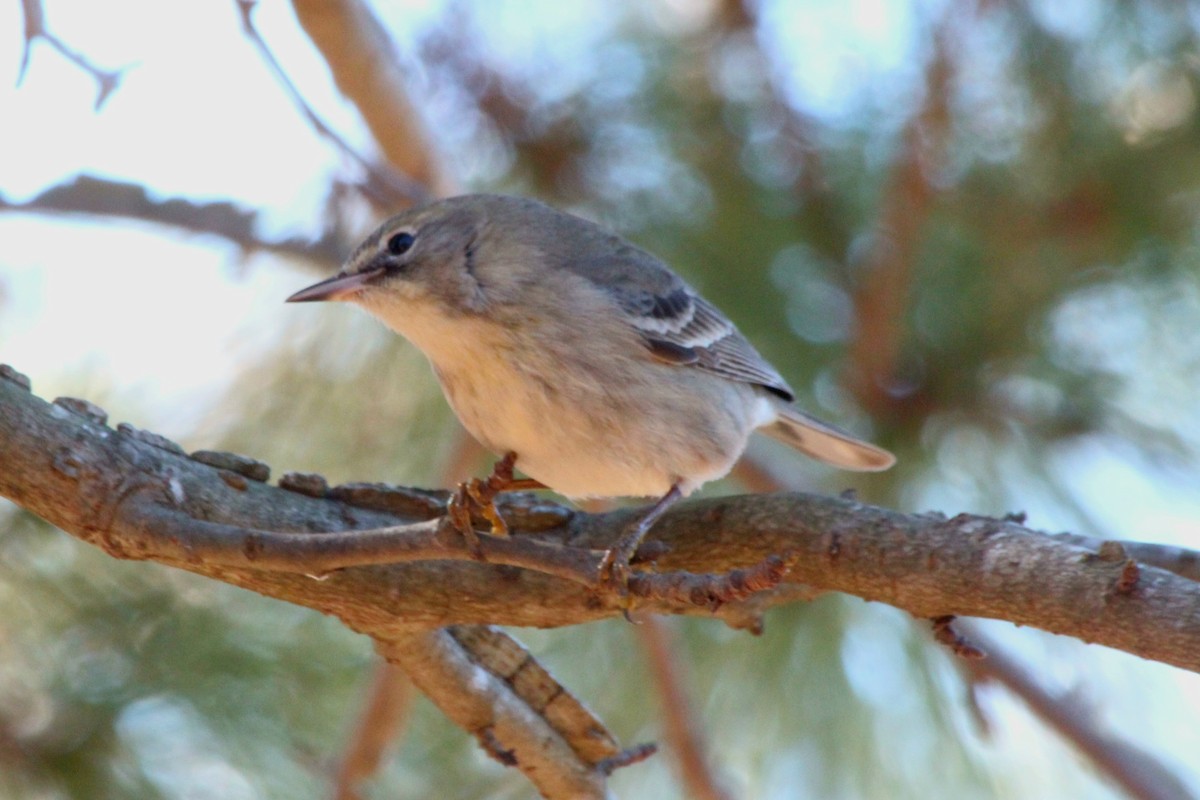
[[616, 560], [480, 495]]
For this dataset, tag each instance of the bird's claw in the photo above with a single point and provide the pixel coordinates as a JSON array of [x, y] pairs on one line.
[[483, 496], [615, 569], [479, 497], [458, 511]]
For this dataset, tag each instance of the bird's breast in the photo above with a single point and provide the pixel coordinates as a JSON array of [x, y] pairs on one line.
[[585, 409]]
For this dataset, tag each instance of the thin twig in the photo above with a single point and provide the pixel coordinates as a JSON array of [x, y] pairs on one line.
[[363, 61], [945, 633], [711, 591], [35, 28], [322, 553], [86, 194], [387, 185]]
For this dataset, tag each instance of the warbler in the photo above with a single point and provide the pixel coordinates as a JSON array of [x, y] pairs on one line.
[[587, 357]]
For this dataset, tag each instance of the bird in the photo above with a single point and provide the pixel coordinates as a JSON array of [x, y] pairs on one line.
[[577, 355]]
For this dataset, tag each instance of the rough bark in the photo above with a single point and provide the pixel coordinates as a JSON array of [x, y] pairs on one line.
[[120, 492], [139, 496]]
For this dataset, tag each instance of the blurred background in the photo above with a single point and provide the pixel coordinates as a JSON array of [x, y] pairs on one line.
[[967, 230]]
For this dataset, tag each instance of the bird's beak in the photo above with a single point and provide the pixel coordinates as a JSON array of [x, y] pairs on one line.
[[339, 287]]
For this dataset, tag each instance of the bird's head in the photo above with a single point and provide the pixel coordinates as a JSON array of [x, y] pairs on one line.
[[422, 257]]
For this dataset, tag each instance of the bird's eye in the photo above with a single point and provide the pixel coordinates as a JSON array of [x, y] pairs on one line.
[[400, 243]]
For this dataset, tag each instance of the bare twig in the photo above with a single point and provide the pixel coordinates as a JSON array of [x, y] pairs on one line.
[[35, 28], [218, 544], [945, 633], [628, 757], [86, 194], [711, 591], [1136, 770], [387, 185], [363, 61], [683, 734]]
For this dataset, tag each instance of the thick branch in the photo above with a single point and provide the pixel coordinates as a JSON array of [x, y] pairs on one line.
[[115, 490], [485, 705]]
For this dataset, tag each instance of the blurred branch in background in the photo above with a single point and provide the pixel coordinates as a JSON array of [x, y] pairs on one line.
[[883, 296], [101, 197], [35, 29], [1133, 768], [387, 706], [683, 732], [362, 59], [388, 185]]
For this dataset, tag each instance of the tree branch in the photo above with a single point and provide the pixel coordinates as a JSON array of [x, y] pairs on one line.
[[908, 200], [688, 747], [487, 706], [35, 28], [218, 544], [387, 185], [362, 59], [1180, 560], [1137, 771], [118, 492], [85, 194]]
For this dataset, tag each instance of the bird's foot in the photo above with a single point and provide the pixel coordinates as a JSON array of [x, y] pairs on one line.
[[478, 496], [615, 567]]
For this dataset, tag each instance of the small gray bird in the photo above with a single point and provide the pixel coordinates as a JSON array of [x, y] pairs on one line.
[[586, 357]]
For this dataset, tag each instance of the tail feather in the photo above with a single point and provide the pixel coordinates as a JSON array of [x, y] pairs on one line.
[[826, 442]]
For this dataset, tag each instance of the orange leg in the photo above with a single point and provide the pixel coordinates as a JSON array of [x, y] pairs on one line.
[[480, 495]]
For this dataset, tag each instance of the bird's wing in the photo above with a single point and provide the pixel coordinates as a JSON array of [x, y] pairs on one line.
[[677, 324]]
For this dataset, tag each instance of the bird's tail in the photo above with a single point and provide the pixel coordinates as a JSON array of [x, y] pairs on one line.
[[826, 442]]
